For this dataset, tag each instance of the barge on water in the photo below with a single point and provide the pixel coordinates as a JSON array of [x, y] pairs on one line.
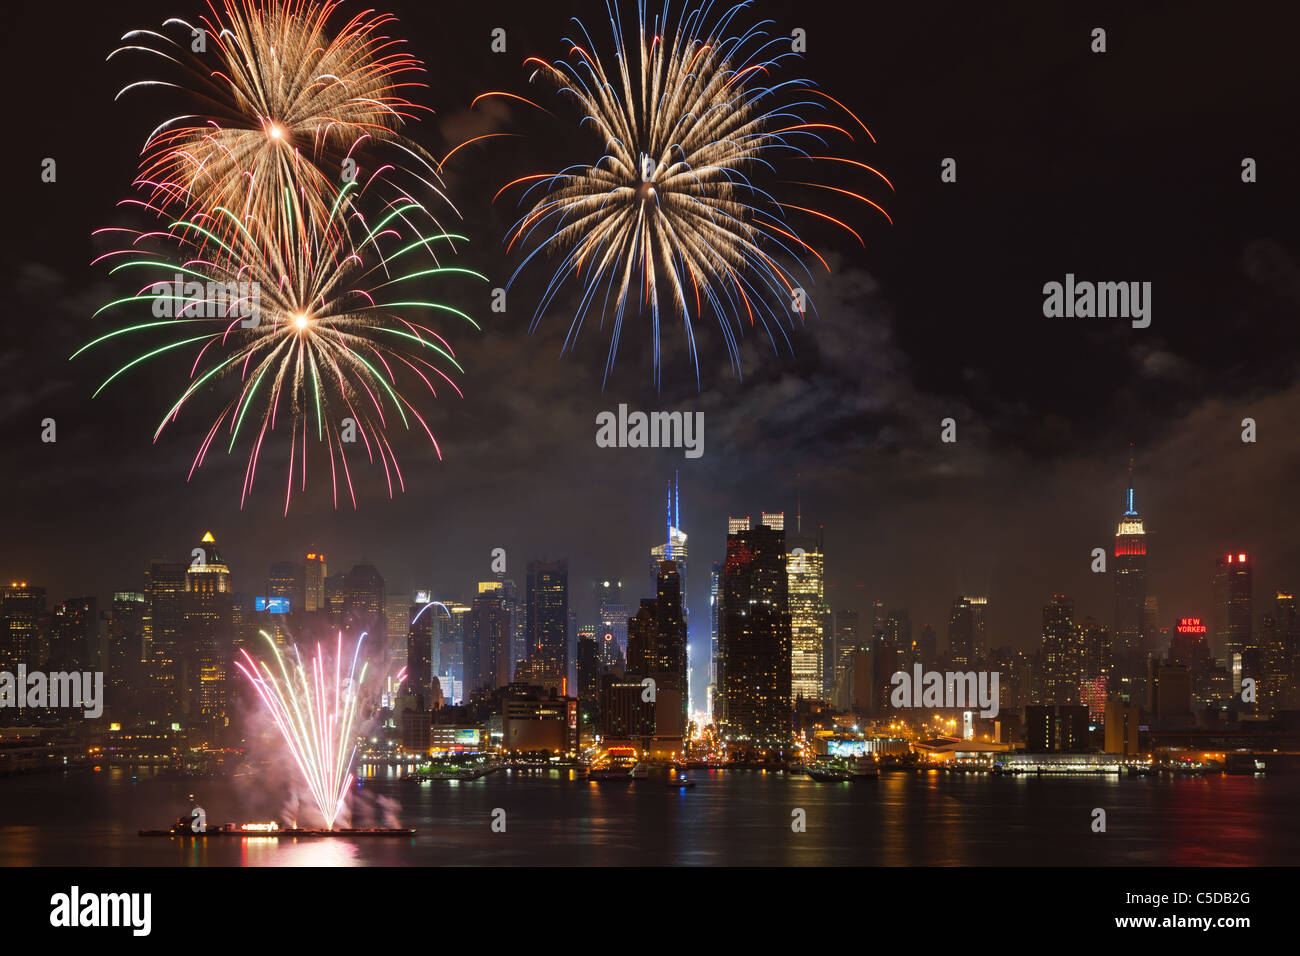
[[184, 827]]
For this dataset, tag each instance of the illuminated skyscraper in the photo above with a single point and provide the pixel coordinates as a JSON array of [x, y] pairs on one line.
[[286, 580], [674, 546], [1277, 656], [335, 590], [806, 572], [397, 621], [1130, 570], [314, 574], [1094, 681], [715, 574], [1061, 653], [961, 633], [753, 701], [611, 634], [22, 611], [209, 639], [1233, 614], [364, 599]]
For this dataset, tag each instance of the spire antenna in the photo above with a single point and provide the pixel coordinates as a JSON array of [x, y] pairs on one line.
[[1130, 510]]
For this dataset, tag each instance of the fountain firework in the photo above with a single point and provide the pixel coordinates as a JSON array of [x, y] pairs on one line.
[[315, 711]]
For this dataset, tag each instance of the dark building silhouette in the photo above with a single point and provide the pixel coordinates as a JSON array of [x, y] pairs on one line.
[[419, 654], [753, 699], [1233, 615], [164, 619], [546, 600], [487, 643]]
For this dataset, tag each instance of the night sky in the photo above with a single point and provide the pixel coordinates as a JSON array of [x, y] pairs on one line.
[[1124, 166]]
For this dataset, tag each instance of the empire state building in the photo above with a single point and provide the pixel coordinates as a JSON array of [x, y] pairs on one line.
[[1130, 568]]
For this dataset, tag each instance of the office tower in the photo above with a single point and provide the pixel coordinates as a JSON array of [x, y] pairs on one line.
[[860, 685], [1233, 614], [364, 595], [487, 643], [547, 613], [1152, 636], [286, 580], [613, 622], [656, 648], [1169, 695], [1122, 722], [1188, 644], [674, 549], [1288, 623], [164, 619], [313, 580], [1277, 656], [828, 653], [1061, 657], [642, 636], [126, 654], [877, 618], [754, 703], [451, 650], [518, 623], [715, 575], [738, 524], [420, 663], [208, 644], [397, 621], [607, 591], [589, 672], [335, 591], [961, 633], [22, 612], [898, 629], [890, 649], [670, 661], [849, 640], [609, 654], [674, 546], [1095, 666], [74, 635], [806, 587], [1061, 728], [928, 647], [979, 608], [1129, 566]]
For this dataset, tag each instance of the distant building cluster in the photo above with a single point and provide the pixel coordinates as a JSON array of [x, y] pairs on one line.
[[514, 670]]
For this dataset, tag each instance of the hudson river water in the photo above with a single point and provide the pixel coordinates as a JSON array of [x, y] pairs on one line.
[[87, 818]]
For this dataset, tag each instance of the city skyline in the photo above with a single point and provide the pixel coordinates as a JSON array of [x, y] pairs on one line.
[[585, 614], [850, 423]]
